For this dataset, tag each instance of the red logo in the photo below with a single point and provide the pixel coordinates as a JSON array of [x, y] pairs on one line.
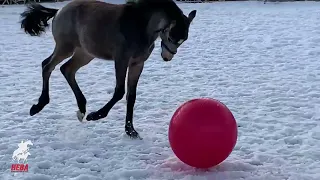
[[21, 153], [19, 168]]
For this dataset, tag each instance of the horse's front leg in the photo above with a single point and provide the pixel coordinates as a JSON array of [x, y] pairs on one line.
[[135, 70], [121, 65], [133, 78]]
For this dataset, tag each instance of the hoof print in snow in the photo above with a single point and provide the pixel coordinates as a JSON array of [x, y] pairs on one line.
[[83, 160], [85, 177], [44, 165], [95, 168]]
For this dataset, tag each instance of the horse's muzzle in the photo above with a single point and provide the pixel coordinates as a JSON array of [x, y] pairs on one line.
[[166, 54]]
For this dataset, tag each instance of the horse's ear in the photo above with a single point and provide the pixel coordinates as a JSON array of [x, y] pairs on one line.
[[192, 14]]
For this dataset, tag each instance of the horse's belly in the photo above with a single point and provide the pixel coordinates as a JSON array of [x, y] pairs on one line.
[[97, 49], [105, 56], [100, 54]]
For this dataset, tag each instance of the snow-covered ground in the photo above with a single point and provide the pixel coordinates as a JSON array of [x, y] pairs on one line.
[[262, 61]]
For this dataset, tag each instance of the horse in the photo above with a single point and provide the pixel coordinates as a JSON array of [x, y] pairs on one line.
[[22, 156], [122, 33], [23, 148]]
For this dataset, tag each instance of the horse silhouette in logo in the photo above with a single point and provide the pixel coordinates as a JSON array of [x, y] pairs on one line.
[[22, 152]]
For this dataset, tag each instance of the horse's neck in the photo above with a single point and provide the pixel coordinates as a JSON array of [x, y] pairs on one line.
[[157, 21]]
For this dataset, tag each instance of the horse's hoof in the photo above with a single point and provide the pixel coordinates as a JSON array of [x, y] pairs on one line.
[[133, 134], [35, 109], [80, 116], [93, 116]]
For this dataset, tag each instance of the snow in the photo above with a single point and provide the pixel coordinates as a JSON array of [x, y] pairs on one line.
[[261, 60]]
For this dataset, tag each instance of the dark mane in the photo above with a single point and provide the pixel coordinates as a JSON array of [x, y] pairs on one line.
[[168, 6], [136, 17]]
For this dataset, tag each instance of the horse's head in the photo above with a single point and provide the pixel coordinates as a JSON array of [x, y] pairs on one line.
[[175, 34], [28, 143], [164, 19]]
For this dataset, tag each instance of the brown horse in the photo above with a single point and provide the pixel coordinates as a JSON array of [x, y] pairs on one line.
[[123, 33]]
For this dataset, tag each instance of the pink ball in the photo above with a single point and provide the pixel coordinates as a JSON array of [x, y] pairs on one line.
[[202, 132]]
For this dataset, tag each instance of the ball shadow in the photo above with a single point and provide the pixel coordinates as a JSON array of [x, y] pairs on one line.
[[229, 167]]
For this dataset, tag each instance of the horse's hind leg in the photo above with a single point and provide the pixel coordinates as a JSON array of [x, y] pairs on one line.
[[46, 61], [60, 53], [69, 69]]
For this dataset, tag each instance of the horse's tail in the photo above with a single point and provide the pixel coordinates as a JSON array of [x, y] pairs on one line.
[[35, 19]]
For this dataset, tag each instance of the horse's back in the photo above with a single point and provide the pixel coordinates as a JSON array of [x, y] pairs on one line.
[[88, 23]]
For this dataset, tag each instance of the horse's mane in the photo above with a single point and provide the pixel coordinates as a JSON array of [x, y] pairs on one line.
[[169, 6], [148, 1]]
